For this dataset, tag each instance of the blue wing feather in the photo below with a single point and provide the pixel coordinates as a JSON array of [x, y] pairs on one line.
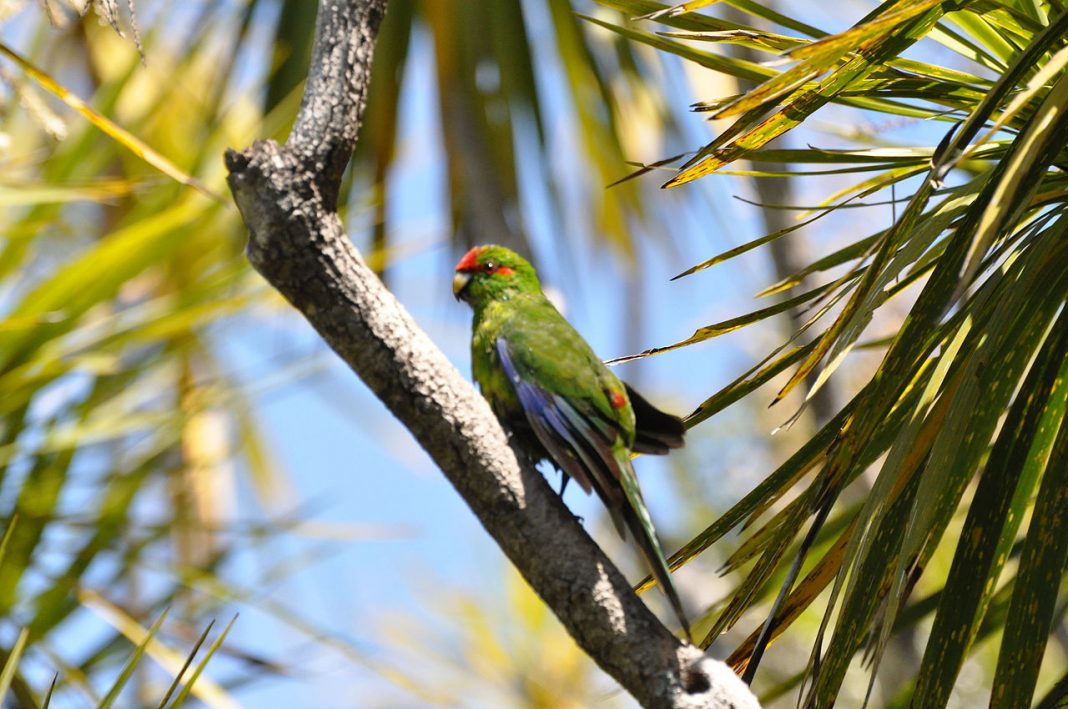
[[583, 451], [584, 445]]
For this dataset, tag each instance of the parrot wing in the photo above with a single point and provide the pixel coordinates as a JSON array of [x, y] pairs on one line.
[[581, 448], [588, 448]]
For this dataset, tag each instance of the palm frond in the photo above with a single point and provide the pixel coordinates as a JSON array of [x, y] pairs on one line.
[[960, 421]]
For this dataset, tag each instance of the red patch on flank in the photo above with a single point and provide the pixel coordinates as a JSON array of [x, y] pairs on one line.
[[470, 260], [503, 270], [617, 399]]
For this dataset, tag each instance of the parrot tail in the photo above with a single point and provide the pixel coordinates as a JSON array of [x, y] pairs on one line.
[[656, 432], [635, 516]]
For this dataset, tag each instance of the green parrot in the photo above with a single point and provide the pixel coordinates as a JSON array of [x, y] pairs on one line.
[[558, 398]]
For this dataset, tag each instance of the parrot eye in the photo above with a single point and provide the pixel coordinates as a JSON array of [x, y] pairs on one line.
[[490, 267]]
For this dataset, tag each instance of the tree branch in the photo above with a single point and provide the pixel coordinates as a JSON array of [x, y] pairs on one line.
[[287, 196]]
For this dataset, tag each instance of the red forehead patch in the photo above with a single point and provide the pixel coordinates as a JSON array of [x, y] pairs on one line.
[[617, 399], [470, 260]]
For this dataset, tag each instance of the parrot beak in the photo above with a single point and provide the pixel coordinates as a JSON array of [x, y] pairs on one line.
[[459, 282]]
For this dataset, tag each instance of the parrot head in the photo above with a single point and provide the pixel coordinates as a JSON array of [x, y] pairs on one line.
[[488, 273]]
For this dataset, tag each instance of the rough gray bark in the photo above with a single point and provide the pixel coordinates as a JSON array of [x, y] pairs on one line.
[[287, 196]]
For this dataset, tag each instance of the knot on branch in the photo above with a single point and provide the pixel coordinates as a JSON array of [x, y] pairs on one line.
[[276, 192]]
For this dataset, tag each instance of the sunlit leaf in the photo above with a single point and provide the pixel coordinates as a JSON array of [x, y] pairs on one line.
[[11, 664], [190, 686], [127, 139], [206, 690], [131, 664], [995, 514]]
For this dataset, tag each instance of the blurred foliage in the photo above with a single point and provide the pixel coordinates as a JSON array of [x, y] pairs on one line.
[[962, 421], [505, 648], [492, 62], [123, 433]]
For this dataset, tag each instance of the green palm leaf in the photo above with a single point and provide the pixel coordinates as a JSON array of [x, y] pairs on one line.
[[970, 386]]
